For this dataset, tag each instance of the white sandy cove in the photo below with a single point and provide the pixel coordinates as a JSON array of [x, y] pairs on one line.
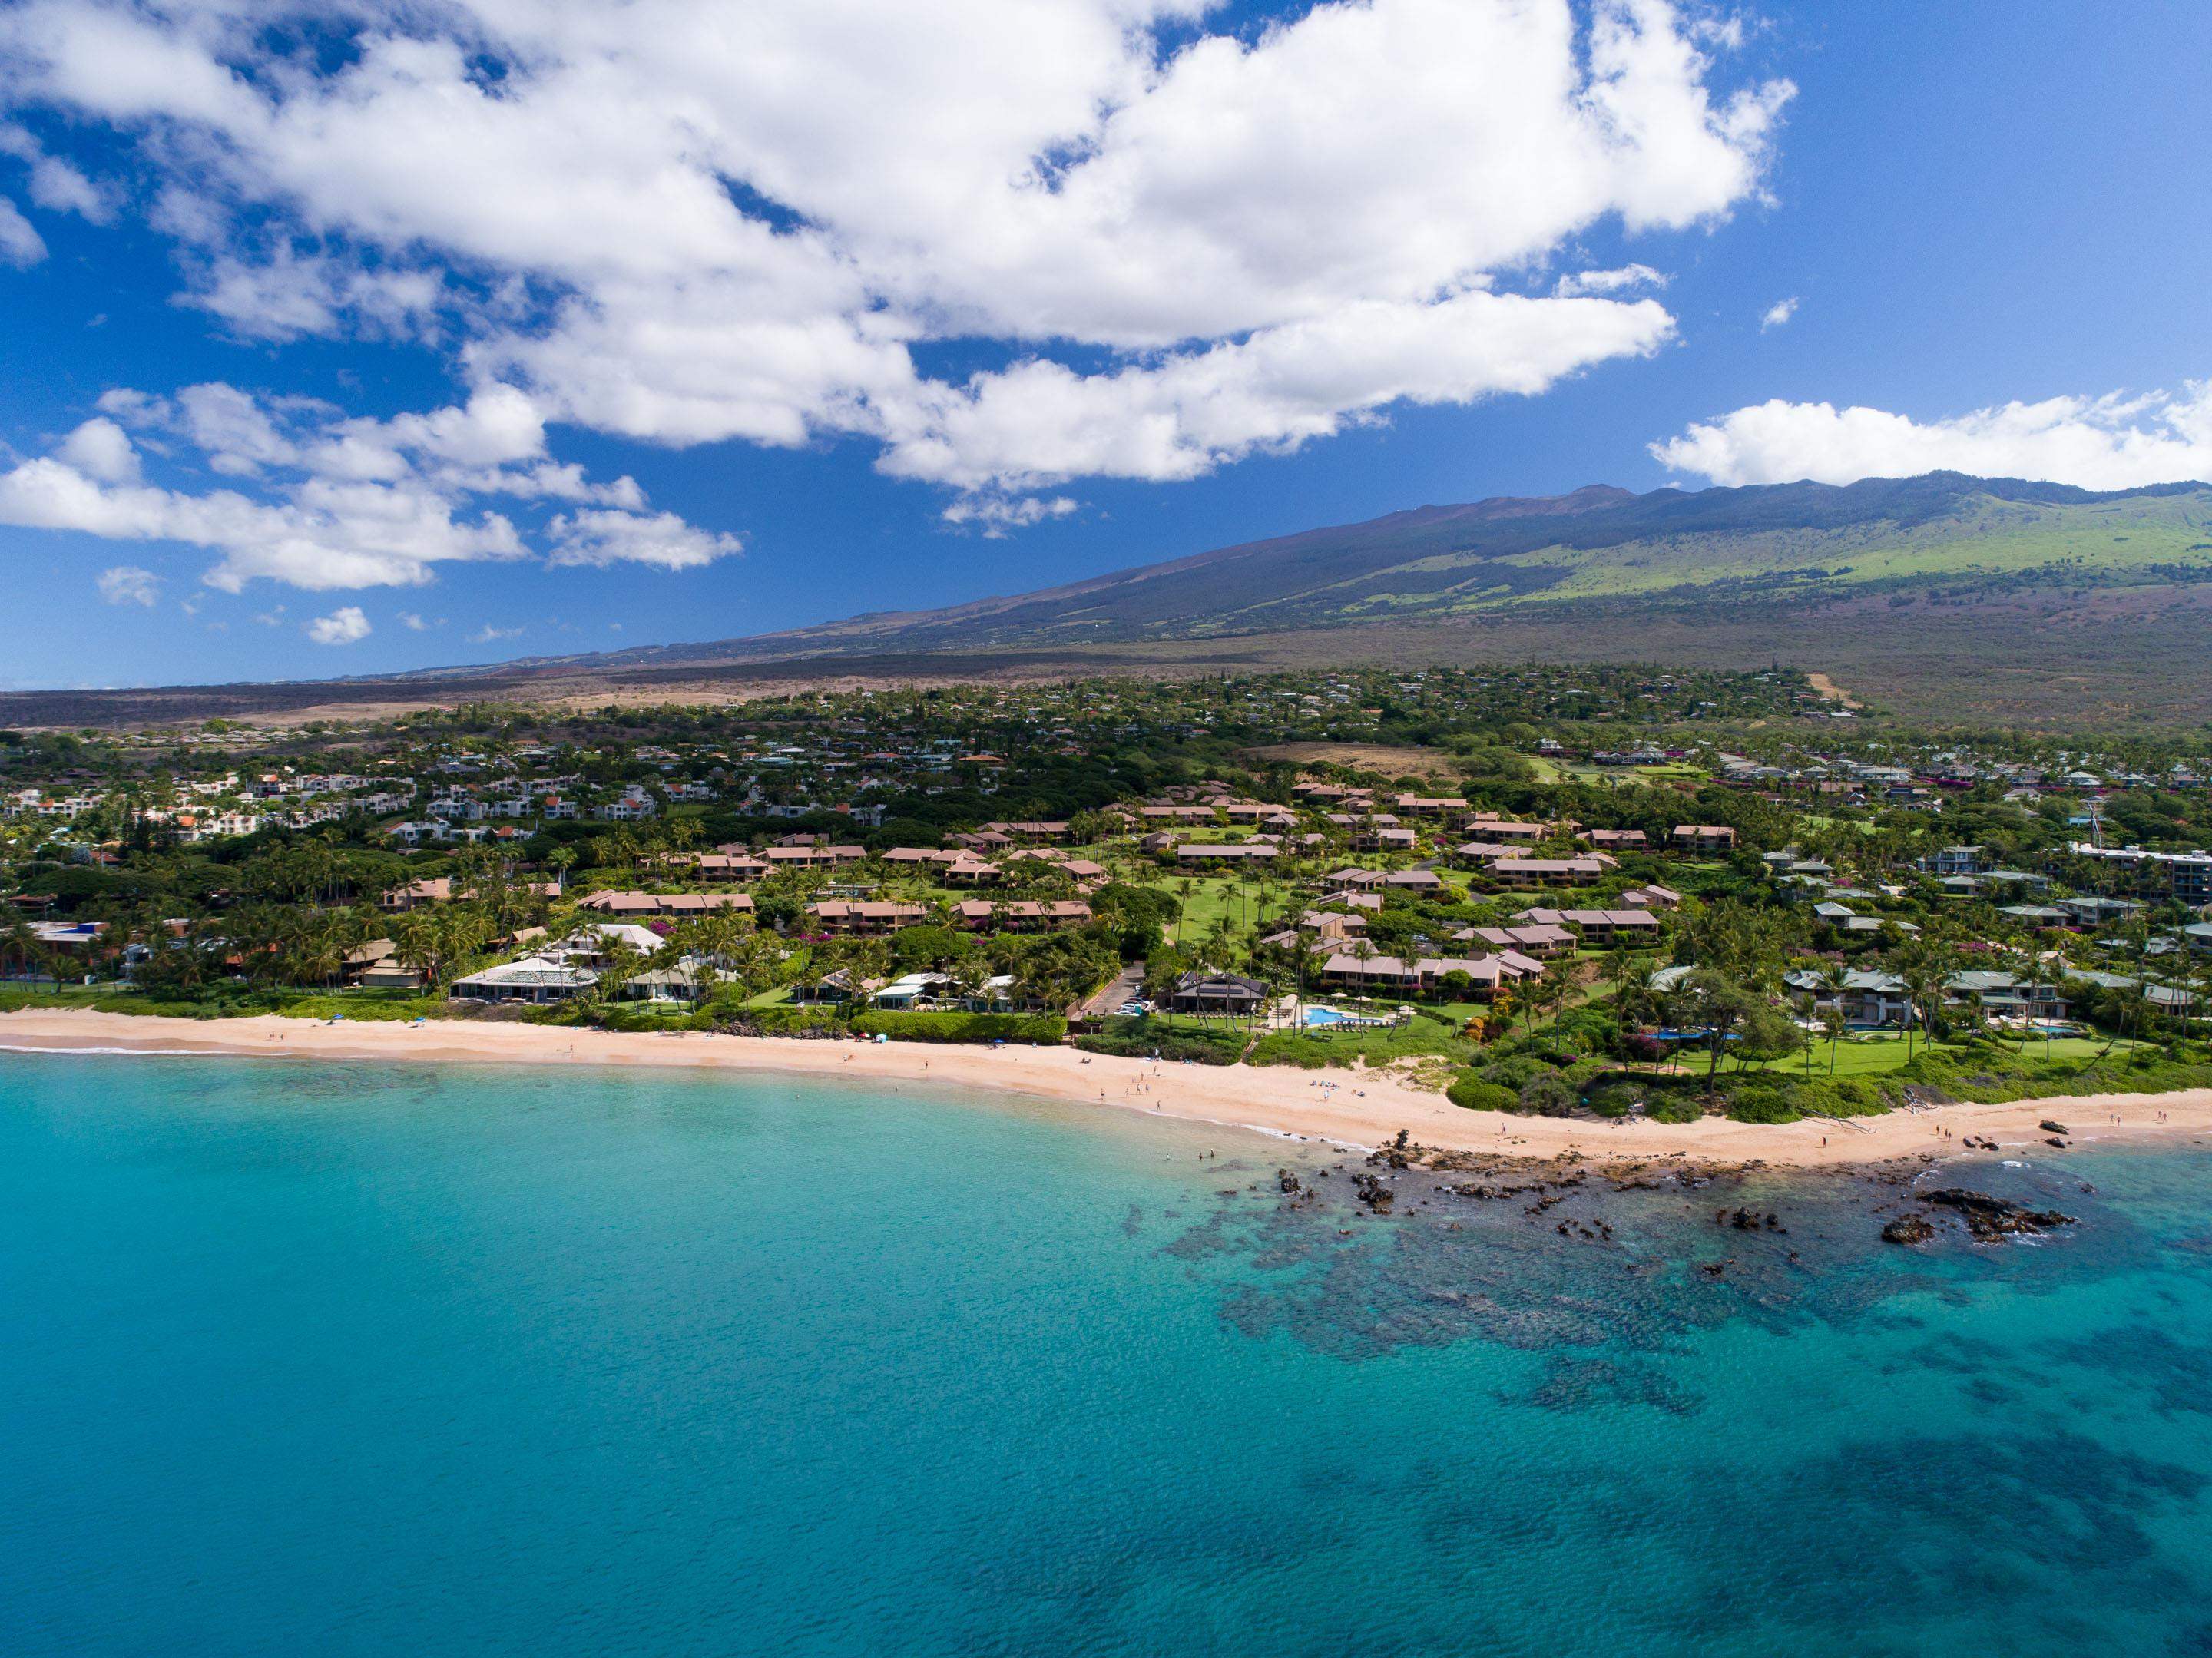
[[1362, 1108]]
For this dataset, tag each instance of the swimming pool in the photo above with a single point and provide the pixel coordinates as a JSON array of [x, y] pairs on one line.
[[1326, 1017]]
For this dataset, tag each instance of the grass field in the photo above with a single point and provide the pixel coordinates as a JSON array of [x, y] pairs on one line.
[[1874, 1056]]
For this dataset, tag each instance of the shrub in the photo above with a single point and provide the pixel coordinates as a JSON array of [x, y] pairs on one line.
[[1759, 1104], [1469, 1092], [789, 1021], [1549, 1096], [1514, 1073], [963, 1027], [1134, 1039], [1615, 1099], [1676, 1109]]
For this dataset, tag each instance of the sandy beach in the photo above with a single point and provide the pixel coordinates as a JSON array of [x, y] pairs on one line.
[[1360, 1109]]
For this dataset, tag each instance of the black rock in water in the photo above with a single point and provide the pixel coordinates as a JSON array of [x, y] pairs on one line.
[[1988, 1218]]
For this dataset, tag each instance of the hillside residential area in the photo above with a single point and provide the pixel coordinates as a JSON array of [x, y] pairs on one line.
[[1605, 890]]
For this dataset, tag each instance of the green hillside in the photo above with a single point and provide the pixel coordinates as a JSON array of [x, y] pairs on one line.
[[1788, 544]]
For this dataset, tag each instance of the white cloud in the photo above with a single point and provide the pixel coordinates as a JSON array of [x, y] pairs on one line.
[[101, 449], [56, 184], [488, 634], [19, 245], [1577, 282], [343, 626], [999, 515], [338, 502], [1196, 250], [1041, 423], [661, 540], [1778, 314], [128, 584], [324, 535], [2111, 442], [413, 623]]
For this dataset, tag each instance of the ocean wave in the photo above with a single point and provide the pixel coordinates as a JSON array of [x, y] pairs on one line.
[[41, 1047]]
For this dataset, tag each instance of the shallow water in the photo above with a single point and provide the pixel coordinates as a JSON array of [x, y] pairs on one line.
[[356, 1359]]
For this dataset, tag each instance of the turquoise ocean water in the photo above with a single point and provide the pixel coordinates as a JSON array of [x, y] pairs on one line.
[[342, 1359]]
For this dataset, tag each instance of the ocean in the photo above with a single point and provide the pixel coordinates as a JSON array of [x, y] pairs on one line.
[[329, 1358]]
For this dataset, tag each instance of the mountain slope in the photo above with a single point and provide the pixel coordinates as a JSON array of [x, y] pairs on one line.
[[1945, 597], [1782, 543]]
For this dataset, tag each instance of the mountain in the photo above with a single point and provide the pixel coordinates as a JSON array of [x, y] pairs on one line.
[[1943, 595], [1599, 549]]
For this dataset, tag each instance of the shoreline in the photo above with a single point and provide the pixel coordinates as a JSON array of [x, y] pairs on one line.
[[1364, 1109]]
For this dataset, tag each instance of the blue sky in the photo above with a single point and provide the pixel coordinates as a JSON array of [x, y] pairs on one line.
[[1290, 281]]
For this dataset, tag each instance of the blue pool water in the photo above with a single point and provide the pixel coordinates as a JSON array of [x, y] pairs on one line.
[[351, 1360]]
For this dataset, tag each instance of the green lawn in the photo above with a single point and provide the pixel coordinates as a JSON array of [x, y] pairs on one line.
[[1874, 1056], [1213, 896]]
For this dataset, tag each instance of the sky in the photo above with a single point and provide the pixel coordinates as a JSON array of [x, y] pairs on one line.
[[356, 337]]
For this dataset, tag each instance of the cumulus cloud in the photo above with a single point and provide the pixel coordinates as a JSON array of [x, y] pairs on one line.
[[684, 223], [489, 634], [1778, 314], [56, 184], [998, 516], [2111, 442], [324, 535], [343, 626], [660, 539], [412, 622], [336, 502], [1609, 282], [20, 244], [101, 449], [128, 584]]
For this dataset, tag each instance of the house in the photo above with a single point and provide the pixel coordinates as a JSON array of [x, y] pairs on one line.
[[2006, 996], [416, 894], [1652, 896], [1484, 852], [1217, 992], [732, 866], [1019, 915], [625, 904], [912, 989], [1349, 971], [812, 857], [1867, 999], [1546, 872], [375, 966], [1229, 853], [691, 980], [1615, 840], [1411, 880], [1542, 940], [1029, 831], [865, 919], [593, 944], [1703, 837], [1501, 828], [534, 979], [1385, 840], [1597, 927], [1955, 860]]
